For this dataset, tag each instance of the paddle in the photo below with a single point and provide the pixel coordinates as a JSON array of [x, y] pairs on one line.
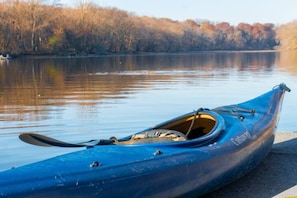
[[150, 136], [42, 140]]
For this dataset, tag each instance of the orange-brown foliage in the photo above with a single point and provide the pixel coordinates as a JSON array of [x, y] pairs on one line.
[[36, 28]]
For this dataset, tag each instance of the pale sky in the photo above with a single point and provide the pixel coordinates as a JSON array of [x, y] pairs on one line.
[[232, 11]]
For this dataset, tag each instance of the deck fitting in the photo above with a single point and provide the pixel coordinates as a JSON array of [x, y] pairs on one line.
[[95, 164], [157, 152]]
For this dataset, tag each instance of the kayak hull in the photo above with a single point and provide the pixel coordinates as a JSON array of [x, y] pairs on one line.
[[242, 137]]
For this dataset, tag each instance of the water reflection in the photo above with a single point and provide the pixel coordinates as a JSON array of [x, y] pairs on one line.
[[39, 82], [75, 98], [288, 62], [31, 78]]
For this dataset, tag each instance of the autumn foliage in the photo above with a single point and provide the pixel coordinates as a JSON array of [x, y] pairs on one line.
[[31, 27], [287, 36]]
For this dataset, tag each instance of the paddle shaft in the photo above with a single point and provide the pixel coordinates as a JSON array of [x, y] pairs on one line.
[[42, 140]]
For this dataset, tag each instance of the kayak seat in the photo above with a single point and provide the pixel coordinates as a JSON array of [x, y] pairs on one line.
[[156, 136], [197, 132], [202, 125]]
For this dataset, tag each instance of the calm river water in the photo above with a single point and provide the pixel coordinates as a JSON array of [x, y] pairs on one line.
[[82, 98]]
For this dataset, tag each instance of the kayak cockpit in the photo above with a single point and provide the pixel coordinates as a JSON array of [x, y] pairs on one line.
[[199, 126], [193, 126]]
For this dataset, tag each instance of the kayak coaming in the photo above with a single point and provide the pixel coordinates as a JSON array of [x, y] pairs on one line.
[[217, 128], [189, 168]]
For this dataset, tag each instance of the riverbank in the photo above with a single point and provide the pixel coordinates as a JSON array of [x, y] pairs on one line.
[[276, 176], [88, 55]]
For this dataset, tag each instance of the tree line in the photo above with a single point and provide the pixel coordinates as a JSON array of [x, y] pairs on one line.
[[287, 36], [33, 27]]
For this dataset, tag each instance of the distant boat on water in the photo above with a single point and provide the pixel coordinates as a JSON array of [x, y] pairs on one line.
[[7, 57]]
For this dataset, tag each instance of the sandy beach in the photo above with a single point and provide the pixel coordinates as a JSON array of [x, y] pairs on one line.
[[276, 176]]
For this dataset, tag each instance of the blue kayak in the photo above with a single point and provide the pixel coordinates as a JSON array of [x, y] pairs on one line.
[[187, 156]]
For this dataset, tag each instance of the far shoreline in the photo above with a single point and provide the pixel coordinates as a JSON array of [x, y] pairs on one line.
[[83, 55]]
